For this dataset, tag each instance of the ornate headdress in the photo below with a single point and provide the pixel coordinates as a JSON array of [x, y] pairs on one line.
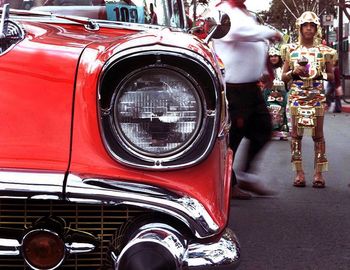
[[274, 51], [309, 17], [234, 3]]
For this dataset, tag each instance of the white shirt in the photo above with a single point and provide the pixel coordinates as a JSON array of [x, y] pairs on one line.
[[243, 49]]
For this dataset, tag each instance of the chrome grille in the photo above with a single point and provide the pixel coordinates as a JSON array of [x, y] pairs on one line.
[[100, 220]]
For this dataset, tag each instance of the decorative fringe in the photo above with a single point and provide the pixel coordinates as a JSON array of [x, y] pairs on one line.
[[297, 165], [321, 167]]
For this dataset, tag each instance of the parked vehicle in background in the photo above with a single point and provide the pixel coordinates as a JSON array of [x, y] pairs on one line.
[[113, 146], [27, 4]]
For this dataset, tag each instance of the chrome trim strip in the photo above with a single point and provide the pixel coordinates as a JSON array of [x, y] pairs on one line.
[[51, 17], [27, 185], [225, 116], [76, 247], [31, 185], [225, 252], [188, 210], [9, 247], [158, 49]]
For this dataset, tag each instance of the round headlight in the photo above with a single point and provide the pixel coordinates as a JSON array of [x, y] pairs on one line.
[[157, 112]]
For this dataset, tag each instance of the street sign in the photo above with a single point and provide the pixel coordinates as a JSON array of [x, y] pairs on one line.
[[327, 20], [332, 36]]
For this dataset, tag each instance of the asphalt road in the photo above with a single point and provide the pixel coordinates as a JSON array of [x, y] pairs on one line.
[[300, 228]]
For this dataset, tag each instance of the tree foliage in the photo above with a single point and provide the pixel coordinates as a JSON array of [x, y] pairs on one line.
[[283, 13]]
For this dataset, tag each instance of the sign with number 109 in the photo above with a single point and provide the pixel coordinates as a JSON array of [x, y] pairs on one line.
[[124, 13]]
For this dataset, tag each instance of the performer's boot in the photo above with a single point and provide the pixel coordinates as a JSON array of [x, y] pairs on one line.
[[299, 180], [321, 163]]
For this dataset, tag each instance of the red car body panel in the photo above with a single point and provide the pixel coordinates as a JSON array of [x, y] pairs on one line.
[[43, 114], [35, 132]]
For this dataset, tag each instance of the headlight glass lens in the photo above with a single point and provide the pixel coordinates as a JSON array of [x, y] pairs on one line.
[[157, 112]]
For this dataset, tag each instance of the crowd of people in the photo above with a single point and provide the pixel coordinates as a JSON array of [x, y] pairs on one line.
[[282, 97]]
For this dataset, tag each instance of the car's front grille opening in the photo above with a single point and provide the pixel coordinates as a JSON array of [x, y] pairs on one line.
[[102, 221]]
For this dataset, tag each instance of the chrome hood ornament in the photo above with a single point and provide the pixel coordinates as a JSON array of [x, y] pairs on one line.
[[10, 32]]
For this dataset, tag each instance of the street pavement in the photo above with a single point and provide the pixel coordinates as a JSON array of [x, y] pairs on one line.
[[300, 228], [346, 107]]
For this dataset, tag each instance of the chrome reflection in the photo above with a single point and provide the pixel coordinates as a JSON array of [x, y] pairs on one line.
[[166, 238], [75, 247], [226, 251], [30, 185], [9, 246], [191, 212]]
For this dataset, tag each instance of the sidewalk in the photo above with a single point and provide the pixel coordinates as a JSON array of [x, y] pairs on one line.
[[345, 107]]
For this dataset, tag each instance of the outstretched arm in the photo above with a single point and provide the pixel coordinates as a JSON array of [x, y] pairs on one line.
[[286, 72]]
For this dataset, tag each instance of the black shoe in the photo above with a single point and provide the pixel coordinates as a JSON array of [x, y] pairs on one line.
[[252, 183]]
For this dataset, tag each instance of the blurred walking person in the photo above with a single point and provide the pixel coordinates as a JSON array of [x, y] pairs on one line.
[[243, 51], [334, 90]]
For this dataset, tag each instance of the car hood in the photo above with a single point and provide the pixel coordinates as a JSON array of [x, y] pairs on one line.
[[64, 43]]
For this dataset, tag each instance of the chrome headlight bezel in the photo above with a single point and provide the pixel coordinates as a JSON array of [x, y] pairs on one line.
[[194, 68]]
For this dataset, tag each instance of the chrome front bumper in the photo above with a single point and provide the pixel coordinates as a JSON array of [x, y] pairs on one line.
[[223, 253], [194, 253], [204, 256]]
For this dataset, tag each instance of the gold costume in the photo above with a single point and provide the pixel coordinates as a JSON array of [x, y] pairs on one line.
[[306, 95]]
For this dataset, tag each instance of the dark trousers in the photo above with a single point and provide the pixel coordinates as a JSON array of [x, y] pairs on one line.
[[331, 96], [249, 119]]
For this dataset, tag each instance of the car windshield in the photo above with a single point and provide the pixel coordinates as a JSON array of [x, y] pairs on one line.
[[155, 12]]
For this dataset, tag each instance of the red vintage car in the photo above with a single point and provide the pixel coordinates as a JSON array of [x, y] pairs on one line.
[[113, 140]]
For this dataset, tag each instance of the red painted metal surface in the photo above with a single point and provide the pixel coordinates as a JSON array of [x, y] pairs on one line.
[[37, 80]]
